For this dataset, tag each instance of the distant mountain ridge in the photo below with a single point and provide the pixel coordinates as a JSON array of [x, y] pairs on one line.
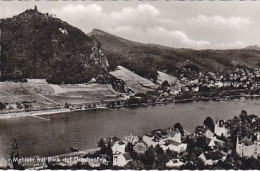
[[147, 59], [37, 45], [253, 47]]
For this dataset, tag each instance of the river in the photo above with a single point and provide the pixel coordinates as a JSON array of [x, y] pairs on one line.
[[37, 136]]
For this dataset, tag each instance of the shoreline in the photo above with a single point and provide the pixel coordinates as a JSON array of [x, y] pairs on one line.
[[65, 110], [34, 113]]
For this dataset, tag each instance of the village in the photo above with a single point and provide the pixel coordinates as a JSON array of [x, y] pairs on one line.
[[231, 144], [127, 89]]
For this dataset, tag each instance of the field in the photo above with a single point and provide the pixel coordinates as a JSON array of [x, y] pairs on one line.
[[133, 81], [44, 94]]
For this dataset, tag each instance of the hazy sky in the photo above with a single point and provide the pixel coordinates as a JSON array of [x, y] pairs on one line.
[[188, 24]]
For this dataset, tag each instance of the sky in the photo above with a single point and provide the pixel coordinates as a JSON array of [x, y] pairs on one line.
[[179, 24]]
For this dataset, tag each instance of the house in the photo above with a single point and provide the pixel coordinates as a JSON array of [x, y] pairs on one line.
[[149, 140], [221, 129], [130, 139], [210, 143], [174, 163], [173, 134], [174, 146], [204, 131], [209, 134], [119, 147], [121, 159], [212, 157], [159, 134], [156, 137], [3, 163], [112, 140], [246, 148]]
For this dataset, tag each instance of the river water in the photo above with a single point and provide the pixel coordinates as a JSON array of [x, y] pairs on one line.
[[84, 129]]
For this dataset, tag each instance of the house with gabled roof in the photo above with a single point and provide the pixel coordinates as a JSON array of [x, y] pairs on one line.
[[118, 147], [174, 146], [248, 148], [221, 129], [173, 134], [121, 159], [212, 157], [130, 139]]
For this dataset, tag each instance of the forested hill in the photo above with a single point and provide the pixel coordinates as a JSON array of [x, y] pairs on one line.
[[146, 59], [37, 45]]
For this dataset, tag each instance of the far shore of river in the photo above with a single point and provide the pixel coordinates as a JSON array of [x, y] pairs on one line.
[[66, 110]]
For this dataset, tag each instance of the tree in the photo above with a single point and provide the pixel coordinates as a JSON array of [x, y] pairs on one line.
[[191, 144], [66, 105], [149, 157], [165, 84], [102, 145], [171, 154], [243, 115], [135, 165], [109, 153], [179, 127], [14, 154], [161, 161], [2, 106], [209, 123], [159, 151]]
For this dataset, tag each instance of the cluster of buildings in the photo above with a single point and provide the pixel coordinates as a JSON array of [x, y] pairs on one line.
[[246, 147], [217, 150], [168, 139], [240, 78], [214, 145]]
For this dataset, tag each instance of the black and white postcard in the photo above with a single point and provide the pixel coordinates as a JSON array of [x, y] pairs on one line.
[[139, 85]]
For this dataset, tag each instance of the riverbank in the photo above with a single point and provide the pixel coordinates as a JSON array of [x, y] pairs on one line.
[[66, 110], [33, 113]]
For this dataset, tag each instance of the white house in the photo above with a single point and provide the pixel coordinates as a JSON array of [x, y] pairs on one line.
[[211, 143], [209, 134], [121, 159], [150, 141], [130, 139], [174, 146], [119, 147], [220, 129], [174, 163], [157, 137], [173, 135], [212, 157], [246, 148]]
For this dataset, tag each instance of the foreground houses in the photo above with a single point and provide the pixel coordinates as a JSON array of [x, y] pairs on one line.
[[121, 159], [221, 129], [245, 147], [235, 144], [174, 146], [119, 147], [174, 163], [212, 157]]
